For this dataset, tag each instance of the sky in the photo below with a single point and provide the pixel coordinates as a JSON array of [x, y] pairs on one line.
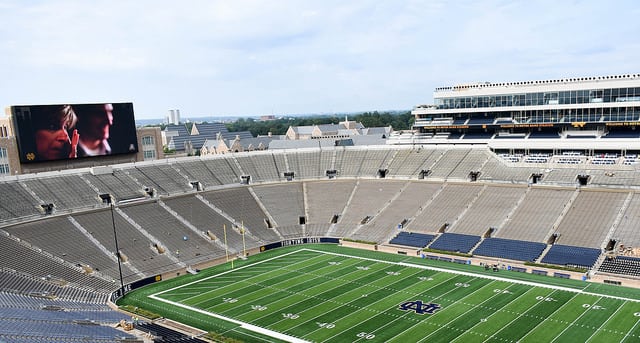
[[254, 57]]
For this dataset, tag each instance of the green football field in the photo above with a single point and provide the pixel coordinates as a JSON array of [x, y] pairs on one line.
[[307, 294]]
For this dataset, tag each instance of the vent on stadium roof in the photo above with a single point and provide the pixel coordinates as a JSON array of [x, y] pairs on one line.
[[611, 245], [365, 220], [47, 208], [443, 228], [583, 179], [289, 175], [473, 176], [267, 222], [331, 173], [552, 240], [150, 191], [245, 179], [335, 218], [106, 198], [489, 232], [197, 185], [382, 173], [535, 178], [302, 220], [423, 174]]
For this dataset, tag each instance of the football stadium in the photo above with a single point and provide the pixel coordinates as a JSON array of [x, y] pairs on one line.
[[509, 213]]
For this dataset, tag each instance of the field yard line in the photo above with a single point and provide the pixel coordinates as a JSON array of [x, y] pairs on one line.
[[630, 331], [470, 330], [383, 298], [244, 325], [273, 286], [575, 320], [303, 295], [605, 322], [462, 314], [552, 313], [520, 315], [228, 271], [347, 304], [523, 282], [432, 300]]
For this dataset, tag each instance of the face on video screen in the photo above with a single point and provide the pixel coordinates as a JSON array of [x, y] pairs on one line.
[[70, 131]]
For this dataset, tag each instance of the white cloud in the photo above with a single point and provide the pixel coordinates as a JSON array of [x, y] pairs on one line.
[[253, 56]]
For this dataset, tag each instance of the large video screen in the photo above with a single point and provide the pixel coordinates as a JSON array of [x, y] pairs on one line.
[[71, 131]]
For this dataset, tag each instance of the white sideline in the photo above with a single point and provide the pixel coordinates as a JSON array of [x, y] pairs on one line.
[[244, 325], [444, 270], [288, 338]]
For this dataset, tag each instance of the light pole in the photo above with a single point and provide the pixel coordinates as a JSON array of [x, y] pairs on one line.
[[115, 238]]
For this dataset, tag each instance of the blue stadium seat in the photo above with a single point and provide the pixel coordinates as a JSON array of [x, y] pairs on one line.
[[456, 242], [510, 249], [412, 239], [571, 256]]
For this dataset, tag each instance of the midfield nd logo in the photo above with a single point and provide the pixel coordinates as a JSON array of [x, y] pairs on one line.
[[419, 307]]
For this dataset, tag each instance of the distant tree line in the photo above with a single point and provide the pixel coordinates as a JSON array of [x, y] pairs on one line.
[[397, 120]]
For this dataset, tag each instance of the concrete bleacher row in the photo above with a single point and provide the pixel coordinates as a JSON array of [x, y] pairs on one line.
[[164, 222], [187, 224]]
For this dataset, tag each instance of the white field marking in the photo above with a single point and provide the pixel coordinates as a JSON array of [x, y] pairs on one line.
[[227, 272], [267, 332], [460, 300], [630, 331], [605, 322], [244, 325], [435, 299], [529, 283], [247, 283], [575, 320], [447, 325], [378, 312], [368, 309], [272, 286], [470, 330], [522, 314], [361, 285], [549, 316], [271, 303]]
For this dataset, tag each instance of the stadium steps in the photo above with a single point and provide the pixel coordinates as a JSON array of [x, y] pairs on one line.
[[102, 248], [195, 230], [543, 254], [274, 224], [555, 225], [228, 217], [381, 211], [151, 238], [469, 205], [513, 210]]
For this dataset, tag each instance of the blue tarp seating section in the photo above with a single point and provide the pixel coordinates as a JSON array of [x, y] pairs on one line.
[[510, 249], [412, 239], [570, 255], [455, 242]]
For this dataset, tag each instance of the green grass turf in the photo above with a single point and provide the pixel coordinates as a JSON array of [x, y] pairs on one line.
[[311, 293]]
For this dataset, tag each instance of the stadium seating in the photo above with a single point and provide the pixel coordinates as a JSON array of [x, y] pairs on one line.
[[625, 265], [567, 255], [426, 188], [412, 239], [510, 249], [455, 242]]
